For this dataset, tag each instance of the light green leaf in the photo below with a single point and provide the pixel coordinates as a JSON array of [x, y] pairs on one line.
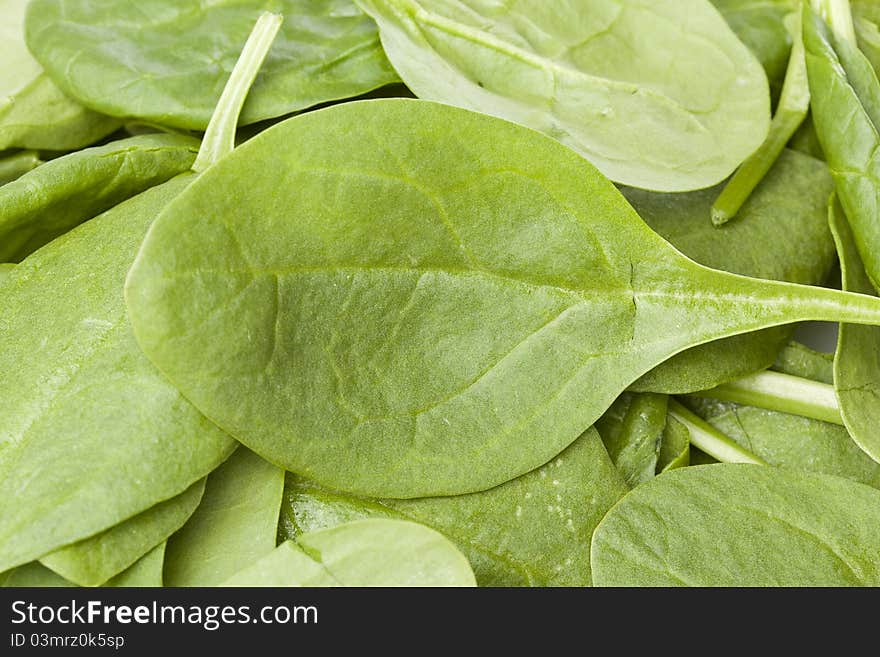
[[741, 525], [145, 572], [167, 60], [799, 360], [415, 305], [14, 165], [649, 103], [530, 531], [34, 113], [857, 360], [675, 446], [62, 193], [374, 552], [632, 430], [93, 561], [235, 525]]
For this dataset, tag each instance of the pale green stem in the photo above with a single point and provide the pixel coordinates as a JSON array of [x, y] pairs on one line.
[[838, 15], [781, 392], [794, 103], [219, 139], [710, 440]]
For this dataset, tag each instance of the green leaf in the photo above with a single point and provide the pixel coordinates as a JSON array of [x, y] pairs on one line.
[[167, 60], [787, 210], [675, 446], [374, 552], [234, 526], [857, 360], [34, 113], [741, 525], [415, 305], [62, 193], [145, 572], [799, 360], [632, 430], [93, 561], [92, 434], [650, 104], [15, 165], [527, 532]]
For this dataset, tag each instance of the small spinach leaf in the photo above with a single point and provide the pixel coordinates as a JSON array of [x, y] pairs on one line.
[[741, 525], [373, 552], [15, 165], [632, 430]]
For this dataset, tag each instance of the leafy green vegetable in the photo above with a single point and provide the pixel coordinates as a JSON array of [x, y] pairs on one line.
[[531, 531], [61, 194], [17, 164], [846, 110], [95, 560], [787, 210], [438, 323], [652, 105], [167, 60], [33, 111], [866, 20], [675, 446], [374, 552], [741, 525], [799, 360], [632, 430], [235, 524], [710, 440], [857, 360]]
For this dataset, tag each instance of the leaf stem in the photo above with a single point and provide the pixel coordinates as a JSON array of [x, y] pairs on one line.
[[776, 391], [219, 139], [838, 15], [794, 103], [710, 440]]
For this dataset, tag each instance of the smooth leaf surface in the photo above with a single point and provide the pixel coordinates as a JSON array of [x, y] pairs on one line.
[[235, 525], [531, 531], [787, 210], [62, 193], [90, 433], [800, 360], [741, 525], [34, 113], [395, 310], [675, 446], [93, 561], [649, 103], [16, 164], [373, 552], [167, 60], [857, 359], [632, 431]]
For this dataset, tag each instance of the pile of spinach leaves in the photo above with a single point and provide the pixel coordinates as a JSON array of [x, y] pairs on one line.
[[439, 293]]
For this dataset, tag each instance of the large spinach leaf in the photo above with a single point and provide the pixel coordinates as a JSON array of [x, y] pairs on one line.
[[167, 60], [34, 113], [373, 552], [531, 531], [787, 210], [741, 525], [650, 103], [422, 312]]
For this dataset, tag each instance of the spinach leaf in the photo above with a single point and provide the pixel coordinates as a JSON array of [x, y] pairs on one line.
[[415, 306], [93, 561], [632, 431], [649, 103], [846, 108], [33, 575], [866, 21], [34, 113], [675, 446], [741, 525], [787, 210], [167, 60], [235, 524], [82, 378], [5, 269], [857, 360], [374, 552], [799, 360], [62, 193], [531, 531], [17, 164]]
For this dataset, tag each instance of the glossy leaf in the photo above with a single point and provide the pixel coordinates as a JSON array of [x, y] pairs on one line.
[[93, 561], [15, 165], [91, 433], [650, 104], [741, 525], [62, 193], [675, 446], [527, 532], [34, 113], [167, 60], [787, 210], [234, 526], [632, 430], [857, 360], [395, 321], [373, 552]]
